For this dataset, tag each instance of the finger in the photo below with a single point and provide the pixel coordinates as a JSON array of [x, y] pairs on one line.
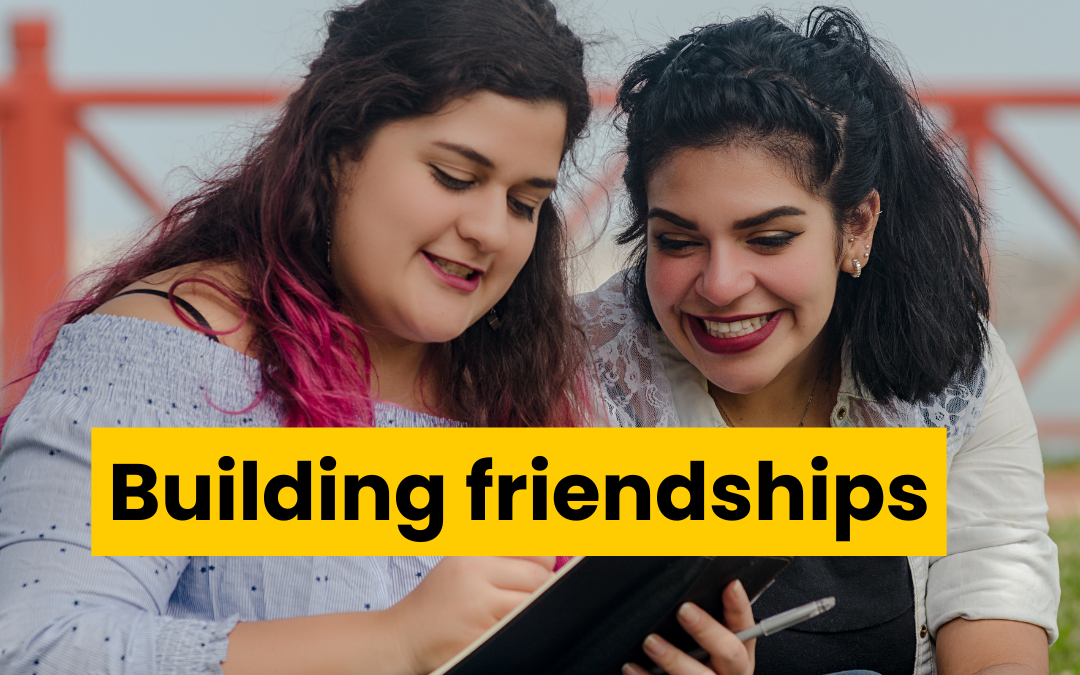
[[516, 574], [633, 669], [738, 614], [673, 660], [727, 653], [545, 561], [505, 602]]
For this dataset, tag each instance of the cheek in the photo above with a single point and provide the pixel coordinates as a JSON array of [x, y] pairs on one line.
[[668, 279], [804, 281], [513, 259]]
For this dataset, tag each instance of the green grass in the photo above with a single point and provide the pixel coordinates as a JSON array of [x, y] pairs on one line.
[[1065, 653]]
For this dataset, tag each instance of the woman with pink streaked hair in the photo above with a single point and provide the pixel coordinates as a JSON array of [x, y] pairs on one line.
[[388, 254]]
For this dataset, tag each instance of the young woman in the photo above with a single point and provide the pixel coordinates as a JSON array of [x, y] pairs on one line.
[[808, 254], [388, 254]]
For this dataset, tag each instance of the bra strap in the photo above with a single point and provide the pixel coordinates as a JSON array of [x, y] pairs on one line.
[[184, 305]]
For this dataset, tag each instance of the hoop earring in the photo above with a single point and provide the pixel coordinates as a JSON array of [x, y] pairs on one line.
[[858, 268], [493, 319]]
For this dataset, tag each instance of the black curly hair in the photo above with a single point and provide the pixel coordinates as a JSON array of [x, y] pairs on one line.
[[821, 97]]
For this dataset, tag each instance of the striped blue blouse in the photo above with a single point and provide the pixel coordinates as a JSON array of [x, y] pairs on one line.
[[65, 611]]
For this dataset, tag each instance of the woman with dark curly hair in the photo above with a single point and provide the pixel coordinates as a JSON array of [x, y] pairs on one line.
[[807, 253], [388, 254]]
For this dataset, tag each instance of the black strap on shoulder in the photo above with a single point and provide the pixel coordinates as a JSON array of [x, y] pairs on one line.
[[184, 305]]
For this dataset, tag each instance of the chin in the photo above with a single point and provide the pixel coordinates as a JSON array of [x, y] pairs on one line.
[[734, 382], [439, 332]]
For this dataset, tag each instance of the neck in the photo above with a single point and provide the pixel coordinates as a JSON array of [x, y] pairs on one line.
[[787, 401], [397, 367]]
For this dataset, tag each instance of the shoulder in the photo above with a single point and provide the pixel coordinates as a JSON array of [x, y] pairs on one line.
[[626, 357], [196, 287], [610, 306]]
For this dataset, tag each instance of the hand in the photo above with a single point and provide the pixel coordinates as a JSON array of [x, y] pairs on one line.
[[459, 600], [727, 654]]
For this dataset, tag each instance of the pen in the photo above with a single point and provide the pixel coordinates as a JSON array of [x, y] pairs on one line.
[[773, 624], [785, 620]]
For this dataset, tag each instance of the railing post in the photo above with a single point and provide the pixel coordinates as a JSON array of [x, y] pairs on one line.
[[33, 181]]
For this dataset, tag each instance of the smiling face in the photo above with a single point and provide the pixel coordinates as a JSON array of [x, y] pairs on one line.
[[742, 264], [438, 216]]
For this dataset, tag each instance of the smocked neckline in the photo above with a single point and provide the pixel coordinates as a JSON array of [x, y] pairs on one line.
[[172, 361]]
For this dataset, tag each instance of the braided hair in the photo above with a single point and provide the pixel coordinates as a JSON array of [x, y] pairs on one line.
[[821, 98]]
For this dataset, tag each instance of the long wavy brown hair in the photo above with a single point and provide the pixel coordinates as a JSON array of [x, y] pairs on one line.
[[383, 60]]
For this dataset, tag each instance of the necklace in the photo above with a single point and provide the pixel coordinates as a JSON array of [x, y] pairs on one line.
[[806, 409]]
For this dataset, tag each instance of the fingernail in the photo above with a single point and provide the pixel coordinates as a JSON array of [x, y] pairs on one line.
[[739, 588], [630, 669], [654, 645], [689, 614]]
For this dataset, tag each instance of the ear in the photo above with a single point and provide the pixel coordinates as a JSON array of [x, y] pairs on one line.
[[859, 237]]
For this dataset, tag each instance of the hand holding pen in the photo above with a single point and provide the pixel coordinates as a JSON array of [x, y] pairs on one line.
[[723, 649]]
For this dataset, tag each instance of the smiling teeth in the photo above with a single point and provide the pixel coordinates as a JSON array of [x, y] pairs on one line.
[[735, 329], [452, 267]]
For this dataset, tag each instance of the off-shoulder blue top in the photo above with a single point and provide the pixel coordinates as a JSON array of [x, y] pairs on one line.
[[64, 611]]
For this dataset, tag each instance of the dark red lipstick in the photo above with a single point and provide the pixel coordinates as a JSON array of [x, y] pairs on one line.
[[735, 345]]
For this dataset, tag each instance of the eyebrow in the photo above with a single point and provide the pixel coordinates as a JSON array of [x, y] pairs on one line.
[[743, 224], [678, 221], [467, 153], [765, 217], [474, 156]]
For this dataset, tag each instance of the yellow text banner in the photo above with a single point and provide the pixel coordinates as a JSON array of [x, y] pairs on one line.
[[519, 492]]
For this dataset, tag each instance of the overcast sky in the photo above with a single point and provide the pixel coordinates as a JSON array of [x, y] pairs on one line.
[[256, 42]]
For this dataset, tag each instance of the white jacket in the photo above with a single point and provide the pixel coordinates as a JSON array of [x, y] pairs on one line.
[[1001, 564]]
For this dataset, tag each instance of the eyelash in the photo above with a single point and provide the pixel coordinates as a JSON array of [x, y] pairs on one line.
[[774, 242], [526, 212], [449, 182], [665, 243], [458, 185], [770, 243]]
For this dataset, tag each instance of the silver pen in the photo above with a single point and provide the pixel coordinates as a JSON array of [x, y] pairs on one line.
[[773, 624], [784, 620]]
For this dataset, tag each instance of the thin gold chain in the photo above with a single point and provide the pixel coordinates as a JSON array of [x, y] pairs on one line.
[[809, 400]]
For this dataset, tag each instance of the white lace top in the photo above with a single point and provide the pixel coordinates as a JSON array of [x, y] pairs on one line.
[[1001, 563], [646, 381]]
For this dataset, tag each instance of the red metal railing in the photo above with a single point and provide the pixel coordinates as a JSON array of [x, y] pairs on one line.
[[37, 119]]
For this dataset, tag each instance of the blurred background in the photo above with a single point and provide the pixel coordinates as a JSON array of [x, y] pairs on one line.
[[147, 96]]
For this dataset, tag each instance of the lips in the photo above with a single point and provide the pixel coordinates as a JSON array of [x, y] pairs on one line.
[[745, 332], [454, 274]]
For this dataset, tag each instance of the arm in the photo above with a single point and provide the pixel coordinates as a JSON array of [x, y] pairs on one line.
[[991, 647], [459, 600], [63, 610], [994, 597]]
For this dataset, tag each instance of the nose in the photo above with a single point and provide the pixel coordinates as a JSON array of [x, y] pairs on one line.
[[486, 221], [726, 277]]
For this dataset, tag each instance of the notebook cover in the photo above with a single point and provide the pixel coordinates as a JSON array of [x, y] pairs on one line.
[[592, 617]]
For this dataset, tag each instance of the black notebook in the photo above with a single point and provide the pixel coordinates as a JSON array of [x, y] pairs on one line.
[[591, 617]]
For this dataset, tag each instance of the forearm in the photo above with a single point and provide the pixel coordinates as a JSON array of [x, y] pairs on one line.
[[330, 644], [992, 647], [1010, 669]]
